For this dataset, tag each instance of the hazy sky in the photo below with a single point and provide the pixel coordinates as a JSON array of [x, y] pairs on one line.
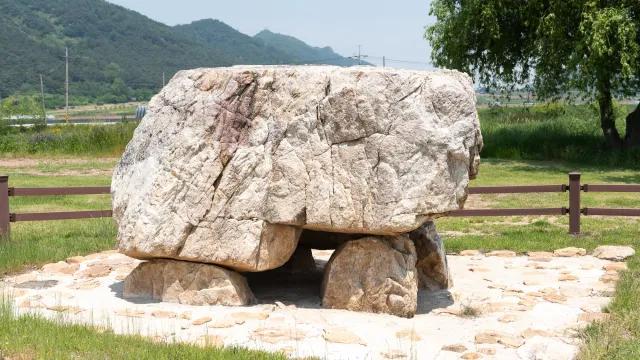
[[381, 27]]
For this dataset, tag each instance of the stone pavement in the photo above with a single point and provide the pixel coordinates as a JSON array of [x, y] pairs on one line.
[[501, 306]]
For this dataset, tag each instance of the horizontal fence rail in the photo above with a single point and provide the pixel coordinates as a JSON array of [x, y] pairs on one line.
[[508, 212], [610, 188], [574, 210], [90, 190], [63, 215], [517, 189]]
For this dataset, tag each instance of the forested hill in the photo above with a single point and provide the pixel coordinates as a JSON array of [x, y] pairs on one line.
[[115, 53], [302, 52]]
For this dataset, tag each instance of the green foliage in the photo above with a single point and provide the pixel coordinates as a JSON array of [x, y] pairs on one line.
[[68, 139], [552, 132], [589, 45]]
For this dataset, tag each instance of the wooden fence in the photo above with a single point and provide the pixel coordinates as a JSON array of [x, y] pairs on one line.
[[574, 188]]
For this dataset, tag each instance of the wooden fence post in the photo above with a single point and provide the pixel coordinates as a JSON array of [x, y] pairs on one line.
[[574, 203], [4, 208]]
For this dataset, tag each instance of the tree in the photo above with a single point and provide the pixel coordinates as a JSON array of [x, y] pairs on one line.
[[592, 46]]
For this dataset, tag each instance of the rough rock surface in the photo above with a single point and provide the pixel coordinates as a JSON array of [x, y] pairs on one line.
[[229, 163], [372, 274], [615, 253], [187, 283], [432, 268]]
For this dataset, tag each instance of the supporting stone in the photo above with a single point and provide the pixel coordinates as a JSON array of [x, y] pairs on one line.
[[433, 271], [187, 283], [373, 274]]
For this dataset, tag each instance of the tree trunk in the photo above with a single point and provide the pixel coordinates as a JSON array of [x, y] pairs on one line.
[[607, 118], [632, 137]]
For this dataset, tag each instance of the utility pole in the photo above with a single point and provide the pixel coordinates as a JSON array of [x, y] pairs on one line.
[[384, 62], [44, 112], [66, 56], [359, 56], [163, 79]]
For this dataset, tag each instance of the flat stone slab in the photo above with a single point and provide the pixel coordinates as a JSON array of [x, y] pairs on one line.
[[518, 304]]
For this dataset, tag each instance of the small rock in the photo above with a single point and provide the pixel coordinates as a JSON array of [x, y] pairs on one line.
[[275, 335], [85, 285], [94, 272], [458, 348], [594, 317], [617, 266], [25, 277], [269, 308], [548, 290], [485, 338], [224, 323], [478, 269], [555, 298], [75, 260], [565, 272], [509, 318], [129, 312], [281, 305], [541, 259], [545, 254], [610, 277], [511, 341], [535, 294], [531, 282], [471, 356], [250, 315], [446, 311], [210, 341], [470, 253], [604, 289], [502, 253], [615, 253], [394, 354], [570, 252], [60, 268], [37, 285], [341, 335], [408, 334], [186, 315], [527, 302], [575, 291], [201, 321], [487, 351], [510, 266], [530, 333], [568, 278], [497, 286], [161, 314]]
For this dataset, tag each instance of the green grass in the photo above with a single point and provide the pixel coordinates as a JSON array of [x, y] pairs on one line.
[[33, 244], [67, 139], [33, 337], [619, 337], [553, 132]]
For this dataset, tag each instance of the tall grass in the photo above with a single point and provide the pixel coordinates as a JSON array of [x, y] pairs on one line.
[[553, 132], [67, 139]]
